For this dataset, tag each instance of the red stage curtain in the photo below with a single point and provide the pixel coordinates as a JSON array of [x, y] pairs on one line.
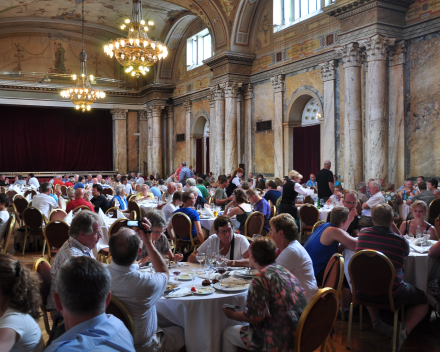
[[199, 155], [306, 150], [37, 139]]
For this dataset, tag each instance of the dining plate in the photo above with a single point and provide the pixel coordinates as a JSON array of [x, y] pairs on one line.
[[203, 290], [246, 273], [171, 286], [184, 277], [231, 287]]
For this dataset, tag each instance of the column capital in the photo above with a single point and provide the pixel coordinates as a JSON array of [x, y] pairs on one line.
[[218, 92], [211, 97], [278, 83], [351, 55], [170, 111], [376, 47], [398, 54], [248, 91], [119, 114], [188, 106], [143, 114], [328, 70], [230, 89], [157, 109]]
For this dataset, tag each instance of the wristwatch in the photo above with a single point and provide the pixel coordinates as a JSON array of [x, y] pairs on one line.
[[233, 263]]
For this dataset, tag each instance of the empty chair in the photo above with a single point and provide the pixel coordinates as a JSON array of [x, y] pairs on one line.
[[56, 232], [81, 207], [57, 214], [254, 224], [134, 206], [9, 230], [434, 211], [33, 221], [20, 204], [308, 200], [308, 215], [42, 267], [31, 192], [334, 276], [11, 195], [118, 309], [107, 191]]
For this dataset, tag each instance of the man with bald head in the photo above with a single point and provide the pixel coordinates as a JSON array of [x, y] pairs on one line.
[[324, 179], [79, 200]]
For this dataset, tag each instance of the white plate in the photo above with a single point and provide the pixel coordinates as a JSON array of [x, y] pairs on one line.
[[203, 290], [179, 293], [184, 277], [246, 274], [231, 287]]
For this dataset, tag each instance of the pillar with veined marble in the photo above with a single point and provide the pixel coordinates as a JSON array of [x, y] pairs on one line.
[[188, 112], [170, 141], [278, 93], [212, 134], [248, 130], [119, 117], [219, 98], [156, 151], [143, 143], [231, 137], [150, 139]]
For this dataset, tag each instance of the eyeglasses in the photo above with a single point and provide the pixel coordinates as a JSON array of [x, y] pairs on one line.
[[351, 203], [222, 232]]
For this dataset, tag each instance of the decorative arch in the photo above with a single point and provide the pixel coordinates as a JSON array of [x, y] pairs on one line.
[[198, 131]]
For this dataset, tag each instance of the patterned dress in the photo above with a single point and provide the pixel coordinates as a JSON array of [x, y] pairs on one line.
[[278, 296]]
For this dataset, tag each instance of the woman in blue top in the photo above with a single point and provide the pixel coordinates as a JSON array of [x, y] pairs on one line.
[[119, 198], [324, 242], [337, 182], [189, 200]]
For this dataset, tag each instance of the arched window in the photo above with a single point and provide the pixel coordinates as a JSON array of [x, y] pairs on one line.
[[311, 113], [198, 48]]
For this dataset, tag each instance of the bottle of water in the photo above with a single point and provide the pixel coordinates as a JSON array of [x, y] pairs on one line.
[[418, 232], [404, 195]]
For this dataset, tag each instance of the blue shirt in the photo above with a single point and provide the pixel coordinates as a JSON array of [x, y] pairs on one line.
[[185, 173], [101, 333], [123, 205], [193, 216], [338, 183], [54, 197], [263, 207], [273, 196], [79, 185], [310, 183], [156, 192]]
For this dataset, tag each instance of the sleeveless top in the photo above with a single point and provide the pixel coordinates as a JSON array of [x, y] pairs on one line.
[[408, 225], [241, 218], [289, 193]]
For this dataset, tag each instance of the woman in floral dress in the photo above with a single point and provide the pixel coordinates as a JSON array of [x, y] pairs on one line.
[[274, 305]]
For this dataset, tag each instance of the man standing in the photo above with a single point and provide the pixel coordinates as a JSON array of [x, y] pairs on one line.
[[184, 174], [79, 200], [312, 181], [82, 296], [324, 179], [261, 205], [139, 291], [375, 199], [98, 200], [361, 193], [220, 197], [32, 181], [44, 202]]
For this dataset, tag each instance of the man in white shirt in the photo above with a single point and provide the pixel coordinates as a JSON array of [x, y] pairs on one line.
[[140, 179], [171, 207], [32, 181], [375, 199], [292, 254], [128, 188], [45, 202], [139, 291], [89, 180]]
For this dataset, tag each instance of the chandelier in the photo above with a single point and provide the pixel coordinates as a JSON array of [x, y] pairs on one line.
[[137, 52], [83, 95]]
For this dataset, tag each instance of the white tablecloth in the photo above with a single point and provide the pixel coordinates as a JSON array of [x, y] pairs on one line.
[[146, 206], [201, 317]]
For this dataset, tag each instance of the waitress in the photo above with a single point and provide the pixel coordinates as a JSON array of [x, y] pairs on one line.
[[234, 181], [291, 189]]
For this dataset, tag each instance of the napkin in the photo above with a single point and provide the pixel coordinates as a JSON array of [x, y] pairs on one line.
[[69, 217], [63, 203], [419, 249], [29, 197], [208, 212], [119, 215], [211, 276], [101, 215]]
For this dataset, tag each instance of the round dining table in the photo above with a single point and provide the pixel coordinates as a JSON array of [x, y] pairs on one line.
[[201, 317]]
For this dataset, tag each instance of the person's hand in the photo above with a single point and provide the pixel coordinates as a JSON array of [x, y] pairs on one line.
[[178, 257], [160, 206], [58, 192], [145, 236], [408, 202], [230, 313], [352, 214], [207, 206]]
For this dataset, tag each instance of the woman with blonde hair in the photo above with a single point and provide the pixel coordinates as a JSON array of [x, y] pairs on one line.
[[291, 189], [234, 181], [20, 303], [419, 210]]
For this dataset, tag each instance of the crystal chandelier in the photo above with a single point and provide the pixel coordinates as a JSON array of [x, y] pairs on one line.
[[83, 95], [137, 52]]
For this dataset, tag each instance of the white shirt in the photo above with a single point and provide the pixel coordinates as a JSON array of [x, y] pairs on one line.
[[4, 217], [168, 211], [303, 191], [30, 338], [44, 203], [378, 198], [236, 181], [34, 182], [241, 245], [139, 291], [296, 259], [140, 181], [128, 188]]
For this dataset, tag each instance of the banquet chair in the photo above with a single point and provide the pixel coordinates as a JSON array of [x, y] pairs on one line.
[[42, 267], [138, 188], [317, 224], [11, 195], [315, 189], [114, 210], [63, 189], [81, 207], [253, 225], [56, 232], [437, 228], [57, 214], [9, 229], [31, 192], [132, 215], [134, 206], [372, 273], [181, 226], [33, 224], [433, 211], [2, 189], [308, 200], [130, 197], [334, 276], [308, 215], [104, 253], [316, 321], [120, 311], [107, 191], [20, 204], [359, 207], [273, 210]]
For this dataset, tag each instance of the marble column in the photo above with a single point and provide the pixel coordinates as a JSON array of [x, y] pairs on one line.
[[212, 134], [170, 141], [231, 156], [288, 145], [119, 117], [156, 150], [248, 130], [376, 49], [278, 92], [219, 98], [328, 117], [150, 140], [239, 128], [353, 162], [396, 141], [188, 110], [143, 152]]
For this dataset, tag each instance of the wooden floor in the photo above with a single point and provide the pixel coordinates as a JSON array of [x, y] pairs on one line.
[[425, 338]]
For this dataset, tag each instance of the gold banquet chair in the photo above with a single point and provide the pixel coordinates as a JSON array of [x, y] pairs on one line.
[[120, 311], [181, 226], [9, 230]]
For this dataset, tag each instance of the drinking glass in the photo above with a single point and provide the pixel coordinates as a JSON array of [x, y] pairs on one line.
[[201, 258], [110, 214], [255, 236], [192, 274], [426, 237], [221, 268]]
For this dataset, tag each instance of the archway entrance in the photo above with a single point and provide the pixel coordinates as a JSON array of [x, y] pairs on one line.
[[201, 138]]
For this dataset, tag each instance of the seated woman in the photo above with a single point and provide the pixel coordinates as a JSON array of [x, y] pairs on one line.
[[419, 210], [160, 241], [272, 319], [232, 246], [119, 199], [433, 294], [324, 242], [239, 207], [337, 195], [337, 182], [20, 303]]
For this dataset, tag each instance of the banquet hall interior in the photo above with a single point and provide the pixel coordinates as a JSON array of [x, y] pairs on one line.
[[136, 88]]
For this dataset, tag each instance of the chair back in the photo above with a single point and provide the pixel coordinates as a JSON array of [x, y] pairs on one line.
[[254, 224], [309, 214], [116, 226], [308, 200], [182, 226], [359, 207], [114, 210], [33, 217], [107, 191], [437, 228], [11, 195], [57, 214], [64, 190], [31, 192], [130, 197], [317, 224], [9, 230], [317, 320], [56, 233], [120, 311], [334, 273], [134, 206], [2, 189], [372, 273], [132, 215], [81, 207], [42, 267], [138, 188], [273, 210], [20, 204], [434, 209]]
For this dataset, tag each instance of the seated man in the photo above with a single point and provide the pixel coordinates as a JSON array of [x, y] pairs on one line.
[[20, 180], [199, 199], [261, 205], [202, 188], [190, 182], [324, 242], [376, 198], [79, 200], [98, 200], [82, 297], [381, 237], [57, 180], [272, 193], [424, 195], [188, 200], [140, 180], [350, 202], [291, 254], [156, 192], [127, 184], [408, 191], [337, 195], [171, 207], [33, 181], [220, 196], [44, 202], [361, 193], [312, 181], [89, 179], [80, 183], [234, 247], [139, 291], [171, 188], [66, 178]]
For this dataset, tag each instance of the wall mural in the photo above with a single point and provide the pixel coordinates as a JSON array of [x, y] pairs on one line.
[[422, 10]]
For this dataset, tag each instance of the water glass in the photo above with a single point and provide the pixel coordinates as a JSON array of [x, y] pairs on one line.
[[255, 236], [110, 214]]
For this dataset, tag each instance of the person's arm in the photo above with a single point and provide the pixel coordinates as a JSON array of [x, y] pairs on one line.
[[337, 234], [199, 231], [351, 215], [170, 232], [8, 338], [365, 205], [332, 187], [192, 257], [395, 229], [304, 192], [240, 316]]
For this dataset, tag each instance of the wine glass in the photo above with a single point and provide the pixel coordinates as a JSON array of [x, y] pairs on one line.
[[200, 258], [176, 273], [221, 268], [192, 275], [110, 214]]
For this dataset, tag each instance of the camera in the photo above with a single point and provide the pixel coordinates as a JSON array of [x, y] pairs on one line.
[[138, 223]]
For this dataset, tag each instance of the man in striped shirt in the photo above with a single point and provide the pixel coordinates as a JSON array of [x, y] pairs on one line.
[[382, 238]]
